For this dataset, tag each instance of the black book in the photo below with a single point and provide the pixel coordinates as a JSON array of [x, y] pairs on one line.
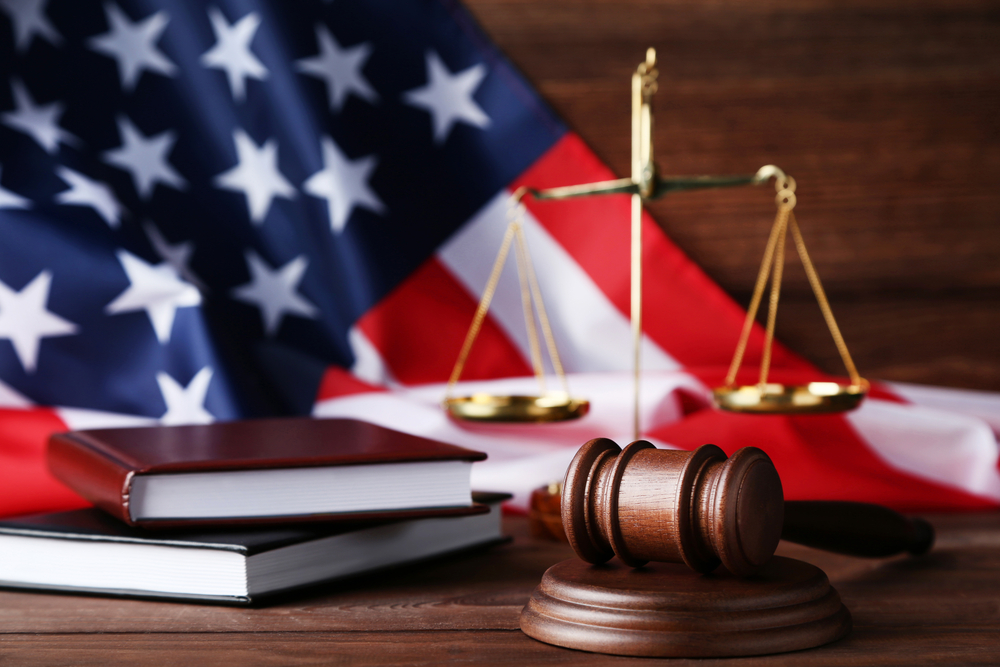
[[88, 551]]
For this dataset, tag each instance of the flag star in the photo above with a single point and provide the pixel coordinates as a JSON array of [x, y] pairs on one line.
[[340, 68], [231, 52], [133, 45], [448, 97], [145, 158], [10, 200], [24, 319], [256, 175], [41, 122], [157, 289], [344, 184], [185, 405], [273, 291], [87, 192], [28, 17], [177, 255]]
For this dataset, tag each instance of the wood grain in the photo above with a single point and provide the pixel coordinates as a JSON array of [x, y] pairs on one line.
[[862, 647], [907, 611], [884, 112]]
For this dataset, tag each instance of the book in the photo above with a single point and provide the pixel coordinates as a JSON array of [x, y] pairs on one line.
[[257, 471], [87, 551]]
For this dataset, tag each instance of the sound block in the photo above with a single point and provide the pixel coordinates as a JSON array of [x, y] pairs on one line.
[[666, 610]]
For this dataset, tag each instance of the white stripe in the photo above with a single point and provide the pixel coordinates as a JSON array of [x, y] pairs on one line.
[[78, 419], [75, 419], [948, 448], [982, 404], [591, 334], [368, 362]]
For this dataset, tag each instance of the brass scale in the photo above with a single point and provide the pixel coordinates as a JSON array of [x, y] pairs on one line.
[[645, 183]]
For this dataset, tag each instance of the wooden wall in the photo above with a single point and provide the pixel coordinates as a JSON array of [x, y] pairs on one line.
[[888, 115]]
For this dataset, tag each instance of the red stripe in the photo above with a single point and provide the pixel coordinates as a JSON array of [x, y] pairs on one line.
[[338, 381], [685, 312], [25, 483], [420, 326]]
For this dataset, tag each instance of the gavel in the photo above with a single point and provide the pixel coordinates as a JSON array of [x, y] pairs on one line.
[[703, 508]]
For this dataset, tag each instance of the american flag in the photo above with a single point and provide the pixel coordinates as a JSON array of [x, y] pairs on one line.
[[213, 211]]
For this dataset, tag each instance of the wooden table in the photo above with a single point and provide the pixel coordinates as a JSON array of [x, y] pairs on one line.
[[944, 608]]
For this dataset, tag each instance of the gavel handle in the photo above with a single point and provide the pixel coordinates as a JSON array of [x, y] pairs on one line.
[[855, 529]]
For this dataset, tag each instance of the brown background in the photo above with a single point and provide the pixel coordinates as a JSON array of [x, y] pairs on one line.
[[885, 112]]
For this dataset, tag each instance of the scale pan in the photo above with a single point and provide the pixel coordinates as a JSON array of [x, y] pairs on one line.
[[490, 408], [791, 399]]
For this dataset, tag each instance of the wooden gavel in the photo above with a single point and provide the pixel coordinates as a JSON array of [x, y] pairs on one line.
[[702, 508]]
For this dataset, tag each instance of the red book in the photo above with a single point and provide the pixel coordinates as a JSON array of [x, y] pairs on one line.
[[259, 471]]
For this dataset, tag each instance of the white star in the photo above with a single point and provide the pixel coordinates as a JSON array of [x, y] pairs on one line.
[[344, 184], [177, 255], [157, 289], [28, 17], [256, 175], [448, 97], [133, 45], [185, 405], [340, 68], [87, 192], [10, 200], [145, 158], [25, 320], [40, 122], [273, 291], [232, 51]]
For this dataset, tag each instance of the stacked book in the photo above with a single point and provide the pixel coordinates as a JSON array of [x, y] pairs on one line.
[[233, 512]]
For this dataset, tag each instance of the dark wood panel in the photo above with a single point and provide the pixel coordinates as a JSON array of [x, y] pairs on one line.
[[884, 112]]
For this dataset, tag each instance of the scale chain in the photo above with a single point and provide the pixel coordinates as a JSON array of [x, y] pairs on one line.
[[484, 306], [771, 267], [529, 316], [758, 292], [543, 318], [531, 295], [786, 202], [824, 305]]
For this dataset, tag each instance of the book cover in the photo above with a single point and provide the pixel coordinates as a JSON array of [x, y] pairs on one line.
[[263, 470]]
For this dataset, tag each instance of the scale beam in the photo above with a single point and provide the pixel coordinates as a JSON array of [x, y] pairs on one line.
[[661, 186]]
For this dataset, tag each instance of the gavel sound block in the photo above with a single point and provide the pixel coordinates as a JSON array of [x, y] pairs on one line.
[[693, 510]]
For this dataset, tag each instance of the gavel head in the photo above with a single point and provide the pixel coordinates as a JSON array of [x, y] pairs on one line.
[[646, 504]]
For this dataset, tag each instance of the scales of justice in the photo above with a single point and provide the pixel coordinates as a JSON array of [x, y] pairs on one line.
[[645, 183], [694, 532]]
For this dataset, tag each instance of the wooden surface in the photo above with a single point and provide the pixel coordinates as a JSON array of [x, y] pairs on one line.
[[940, 608], [885, 112]]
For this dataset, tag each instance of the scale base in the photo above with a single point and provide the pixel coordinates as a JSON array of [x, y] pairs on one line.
[[666, 610], [490, 408], [791, 399]]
